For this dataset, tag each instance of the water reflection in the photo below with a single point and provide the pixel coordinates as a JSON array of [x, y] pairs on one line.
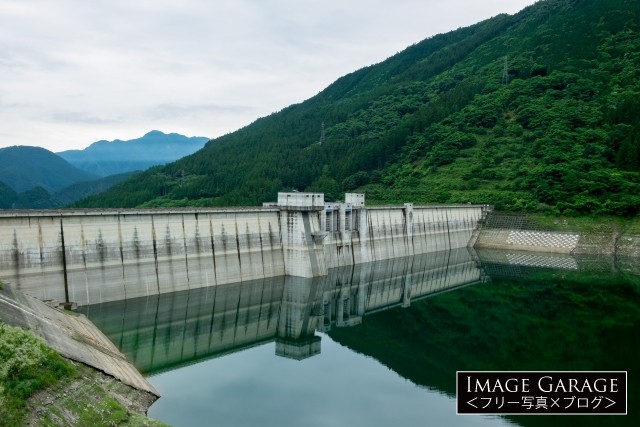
[[509, 311], [165, 331]]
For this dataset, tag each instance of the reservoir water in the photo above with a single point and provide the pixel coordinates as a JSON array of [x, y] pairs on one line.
[[379, 344]]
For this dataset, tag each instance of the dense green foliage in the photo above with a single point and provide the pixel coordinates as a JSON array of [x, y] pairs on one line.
[[83, 189], [7, 196], [546, 320], [28, 365], [441, 122]]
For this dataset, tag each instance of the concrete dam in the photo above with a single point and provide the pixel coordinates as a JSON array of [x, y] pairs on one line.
[[84, 257]]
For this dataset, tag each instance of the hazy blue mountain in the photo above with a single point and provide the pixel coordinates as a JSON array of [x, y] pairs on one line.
[[35, 178], [113, 157], [23, 168]]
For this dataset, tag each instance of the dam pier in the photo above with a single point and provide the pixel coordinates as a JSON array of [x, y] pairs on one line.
[[83, 257]]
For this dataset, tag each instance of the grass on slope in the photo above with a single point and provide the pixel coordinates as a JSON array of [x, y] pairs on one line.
[[40, 387]]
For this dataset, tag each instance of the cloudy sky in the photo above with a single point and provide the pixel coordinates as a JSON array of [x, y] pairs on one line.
[[73, 71]]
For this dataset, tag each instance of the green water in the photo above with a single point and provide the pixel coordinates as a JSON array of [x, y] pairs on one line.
[[379, 345]]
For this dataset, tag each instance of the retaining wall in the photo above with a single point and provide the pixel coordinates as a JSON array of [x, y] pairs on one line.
[[541, 241], [73, 336], [627, 245]]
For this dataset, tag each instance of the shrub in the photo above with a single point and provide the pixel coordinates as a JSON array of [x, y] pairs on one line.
[[28, 365]]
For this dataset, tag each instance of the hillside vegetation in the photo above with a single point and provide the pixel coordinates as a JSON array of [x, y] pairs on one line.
[[538, 111]]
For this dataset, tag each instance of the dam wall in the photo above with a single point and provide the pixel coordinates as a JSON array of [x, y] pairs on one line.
[[381, 233], [92, 256], [64, 255]]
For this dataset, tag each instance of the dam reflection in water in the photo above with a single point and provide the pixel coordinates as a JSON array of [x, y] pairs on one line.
[[382, 362], [162, 332]]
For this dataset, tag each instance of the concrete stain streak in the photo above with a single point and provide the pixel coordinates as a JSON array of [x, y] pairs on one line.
[[155, 253], [213, 251]]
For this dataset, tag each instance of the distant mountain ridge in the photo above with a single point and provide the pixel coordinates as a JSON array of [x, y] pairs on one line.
[[113, 157], [36, 178], [23, 168]]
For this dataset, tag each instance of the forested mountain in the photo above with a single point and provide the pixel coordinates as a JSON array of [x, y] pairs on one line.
[[7, 196], [536, 111], [114, 157], [83, 189], [23, 168], [39, 198]]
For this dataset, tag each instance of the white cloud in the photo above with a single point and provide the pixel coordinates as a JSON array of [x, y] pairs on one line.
[[74, 72]]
